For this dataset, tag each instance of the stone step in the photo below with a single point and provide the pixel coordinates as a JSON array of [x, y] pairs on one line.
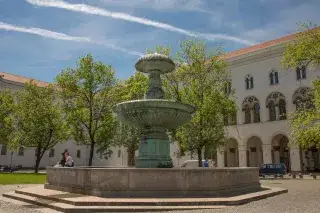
[[85, 200], [68, 208]]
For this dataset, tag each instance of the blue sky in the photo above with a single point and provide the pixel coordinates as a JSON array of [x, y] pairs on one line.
[[39, 38]]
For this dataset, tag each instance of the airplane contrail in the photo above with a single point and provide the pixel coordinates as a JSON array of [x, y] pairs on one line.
[[62, 36], [87, 9]]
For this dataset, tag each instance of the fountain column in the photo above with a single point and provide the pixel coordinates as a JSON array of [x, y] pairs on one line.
[[154, 146]]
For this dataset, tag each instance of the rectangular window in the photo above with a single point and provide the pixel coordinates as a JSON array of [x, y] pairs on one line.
[[298, 71], [276, 78], [251, 81], [78, 154], [271, 78], [247, 83], [51, 153], [4, 150], [21, 151], [119, 153], [303, 72], [227, 88]]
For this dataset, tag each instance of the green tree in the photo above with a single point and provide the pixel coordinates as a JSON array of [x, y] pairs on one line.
[[39, 120], [88, 95], [127, 136], [199, 80], [304, 50], [6, 121]]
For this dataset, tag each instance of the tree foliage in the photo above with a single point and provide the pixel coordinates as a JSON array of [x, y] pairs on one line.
[[6, 121], [199, 80], [39, 120], [127, 136], [88, 95], [305, 50]]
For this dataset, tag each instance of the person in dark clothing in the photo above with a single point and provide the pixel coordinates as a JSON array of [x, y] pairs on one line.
[[62, 161]]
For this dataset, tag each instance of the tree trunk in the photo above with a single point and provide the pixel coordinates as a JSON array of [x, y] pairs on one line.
[[38, 160], [91, 153], [131, 156], [199, 152]]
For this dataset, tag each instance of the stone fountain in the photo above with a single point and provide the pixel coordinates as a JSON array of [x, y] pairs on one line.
[[154, 115]]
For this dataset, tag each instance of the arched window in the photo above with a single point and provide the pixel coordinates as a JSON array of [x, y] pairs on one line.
[[249, 82], [273, 77], [272, 111], [282, 109], [299, 103], [247, 115], [276, 100], [302, 98], [249, 104], [4, 149], [233, 120], [256, 114]]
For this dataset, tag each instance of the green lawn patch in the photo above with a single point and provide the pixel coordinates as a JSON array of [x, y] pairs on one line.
[[16, 178]]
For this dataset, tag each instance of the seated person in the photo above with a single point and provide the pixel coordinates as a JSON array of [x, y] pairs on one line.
[[69, 162]]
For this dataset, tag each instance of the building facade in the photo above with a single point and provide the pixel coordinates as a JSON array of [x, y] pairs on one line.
[[265, 95]]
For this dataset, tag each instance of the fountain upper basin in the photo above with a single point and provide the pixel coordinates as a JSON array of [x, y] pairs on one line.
[[148, 113]]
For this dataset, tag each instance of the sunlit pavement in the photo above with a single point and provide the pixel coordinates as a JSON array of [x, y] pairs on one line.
[[303, 196]]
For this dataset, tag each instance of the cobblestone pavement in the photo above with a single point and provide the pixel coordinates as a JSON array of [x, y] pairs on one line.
[[303, 197]]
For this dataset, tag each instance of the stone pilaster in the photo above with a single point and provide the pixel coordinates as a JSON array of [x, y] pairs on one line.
[[267, 156], [295, 159], [220, 157], [242, 156]]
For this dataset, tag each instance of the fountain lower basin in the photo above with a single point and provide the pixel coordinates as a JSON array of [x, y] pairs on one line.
[[149, 113], [153, 182]]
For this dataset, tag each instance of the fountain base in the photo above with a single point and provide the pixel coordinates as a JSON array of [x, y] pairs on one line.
[[154, 149], [153, 182]]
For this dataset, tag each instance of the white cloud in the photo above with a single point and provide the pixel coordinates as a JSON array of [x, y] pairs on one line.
[[161, 5], [87, 9], [43, 33], [61, 36]]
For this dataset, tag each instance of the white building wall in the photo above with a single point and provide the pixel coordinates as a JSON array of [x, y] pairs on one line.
[[259, 66]]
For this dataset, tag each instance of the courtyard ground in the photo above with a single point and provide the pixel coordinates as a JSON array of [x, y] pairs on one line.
[[303, 196]]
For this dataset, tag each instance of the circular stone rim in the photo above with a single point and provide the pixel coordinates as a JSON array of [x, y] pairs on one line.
[[150, 58], [150, 102]]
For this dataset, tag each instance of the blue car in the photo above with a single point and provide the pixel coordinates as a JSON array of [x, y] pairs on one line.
[[272, 169]]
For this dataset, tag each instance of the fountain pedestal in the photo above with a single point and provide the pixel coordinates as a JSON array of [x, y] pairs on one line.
[[154, 149]]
